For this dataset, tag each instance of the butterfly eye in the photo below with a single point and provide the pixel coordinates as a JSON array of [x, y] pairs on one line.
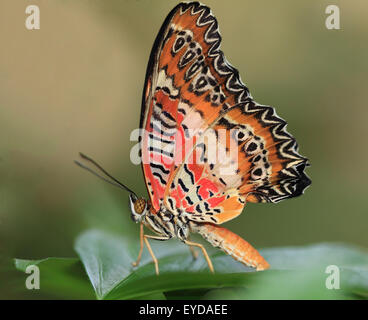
[[139, 206]]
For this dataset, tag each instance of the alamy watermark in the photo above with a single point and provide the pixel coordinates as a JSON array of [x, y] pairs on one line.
[[33, 17], [333, 18], [333, 280], [33, 280], [191, 146]]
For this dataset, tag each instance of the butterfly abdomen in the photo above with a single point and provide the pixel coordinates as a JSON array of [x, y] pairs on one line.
[[232, 244]]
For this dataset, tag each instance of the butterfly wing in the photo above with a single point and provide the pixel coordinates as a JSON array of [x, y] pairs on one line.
[[194, 100]]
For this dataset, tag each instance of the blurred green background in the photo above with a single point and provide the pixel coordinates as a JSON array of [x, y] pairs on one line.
[[75, 85]]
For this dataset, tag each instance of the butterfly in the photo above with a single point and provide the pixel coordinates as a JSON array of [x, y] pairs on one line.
[[207, 147]]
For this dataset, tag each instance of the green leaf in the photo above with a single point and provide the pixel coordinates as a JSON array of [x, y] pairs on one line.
[[296, 272], [107, 259]]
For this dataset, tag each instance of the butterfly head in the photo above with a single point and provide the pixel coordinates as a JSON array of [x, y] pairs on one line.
[[138, 207]]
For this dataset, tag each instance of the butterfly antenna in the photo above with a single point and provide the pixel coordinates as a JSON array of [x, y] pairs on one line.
[[115, 182]]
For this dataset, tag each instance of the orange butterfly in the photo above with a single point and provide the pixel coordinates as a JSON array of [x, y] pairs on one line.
[[207, 147]]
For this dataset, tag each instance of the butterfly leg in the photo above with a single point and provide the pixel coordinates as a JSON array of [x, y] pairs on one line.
[[141, 236], [194, 244], [193, 252], [155, 261], [152, 255]]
